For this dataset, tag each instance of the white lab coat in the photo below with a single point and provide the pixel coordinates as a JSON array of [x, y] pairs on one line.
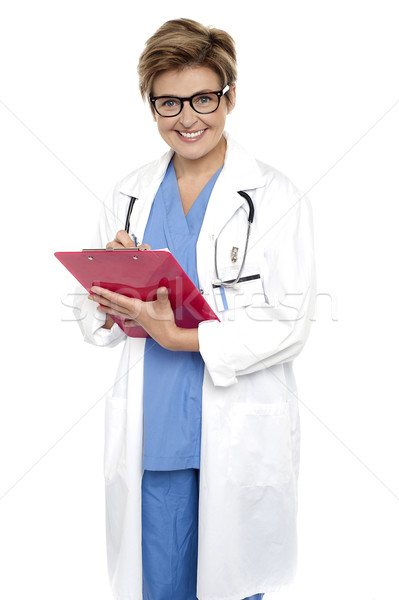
[[250, 428]]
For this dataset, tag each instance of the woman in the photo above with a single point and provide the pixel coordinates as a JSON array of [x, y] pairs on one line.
[[202, 435]]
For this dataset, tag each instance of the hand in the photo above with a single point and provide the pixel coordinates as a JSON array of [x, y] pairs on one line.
[[156, 317], [123, 240]]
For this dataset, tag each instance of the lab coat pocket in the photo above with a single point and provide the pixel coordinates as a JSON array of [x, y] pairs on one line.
[[248, 291], [260, 444], [115, 433]]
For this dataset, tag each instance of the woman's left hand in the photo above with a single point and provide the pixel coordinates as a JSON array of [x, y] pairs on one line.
[[156, 317]]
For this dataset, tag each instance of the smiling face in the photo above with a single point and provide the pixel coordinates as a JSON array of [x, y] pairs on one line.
[[191, 135]]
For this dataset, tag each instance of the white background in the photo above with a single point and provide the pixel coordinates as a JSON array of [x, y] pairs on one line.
[[317, 90]]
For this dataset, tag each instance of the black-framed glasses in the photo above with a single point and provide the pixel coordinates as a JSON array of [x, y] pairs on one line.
[[205, 103]]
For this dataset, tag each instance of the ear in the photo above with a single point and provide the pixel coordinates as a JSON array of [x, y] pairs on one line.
[[232, 101]]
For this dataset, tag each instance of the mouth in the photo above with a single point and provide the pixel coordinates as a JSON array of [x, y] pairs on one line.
[[191, 135]]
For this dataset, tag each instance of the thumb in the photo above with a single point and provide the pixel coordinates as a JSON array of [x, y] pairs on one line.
[[162, 295]]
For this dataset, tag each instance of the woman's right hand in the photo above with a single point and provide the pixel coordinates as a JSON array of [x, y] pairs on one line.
[[123, 240]]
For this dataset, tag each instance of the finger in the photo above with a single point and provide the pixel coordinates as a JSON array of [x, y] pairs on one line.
[[112, 309], [122, 237], [99, 296], [144, 247], [118, 301], [105, 294], [112, 312], [163, 295], [110, 302], [129, 323], [114, 245]]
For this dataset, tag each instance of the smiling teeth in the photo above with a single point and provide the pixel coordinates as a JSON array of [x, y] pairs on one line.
[[192, 135]]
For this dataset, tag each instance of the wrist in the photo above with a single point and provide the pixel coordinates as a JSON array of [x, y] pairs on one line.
[[184, 340]]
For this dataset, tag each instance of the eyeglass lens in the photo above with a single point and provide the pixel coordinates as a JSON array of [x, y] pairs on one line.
[[202, 103]]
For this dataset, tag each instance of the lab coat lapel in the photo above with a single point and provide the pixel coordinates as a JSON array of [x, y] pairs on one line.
[[240, 172], [144, 187]]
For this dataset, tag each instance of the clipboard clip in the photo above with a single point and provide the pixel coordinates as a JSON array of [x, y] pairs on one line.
[[111, 249]]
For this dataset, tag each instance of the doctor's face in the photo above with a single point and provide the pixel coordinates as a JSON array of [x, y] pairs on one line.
[[192, 135]]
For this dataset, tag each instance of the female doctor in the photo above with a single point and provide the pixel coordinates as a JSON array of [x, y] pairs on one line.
[[202, 433]]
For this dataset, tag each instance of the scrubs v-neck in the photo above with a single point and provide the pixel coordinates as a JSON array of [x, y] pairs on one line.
[[173, 380]]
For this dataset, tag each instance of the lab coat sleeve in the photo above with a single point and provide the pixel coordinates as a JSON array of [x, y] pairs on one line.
[[258, 337], [89, 319]]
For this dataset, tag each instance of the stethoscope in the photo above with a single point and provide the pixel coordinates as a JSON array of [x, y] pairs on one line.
[[234, 252]]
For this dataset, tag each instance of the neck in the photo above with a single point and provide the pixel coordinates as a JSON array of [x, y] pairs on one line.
[[206, 165]]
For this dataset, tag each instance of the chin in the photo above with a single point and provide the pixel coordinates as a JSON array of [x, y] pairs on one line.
[[192, 152]]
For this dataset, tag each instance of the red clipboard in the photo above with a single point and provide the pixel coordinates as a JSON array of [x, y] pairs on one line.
[[138, 274]]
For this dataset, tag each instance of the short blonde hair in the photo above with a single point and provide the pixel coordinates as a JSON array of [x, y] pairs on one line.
[[181, 43]]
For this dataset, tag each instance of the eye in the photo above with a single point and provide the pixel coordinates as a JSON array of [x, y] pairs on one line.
[[170, 103], [203, 99]]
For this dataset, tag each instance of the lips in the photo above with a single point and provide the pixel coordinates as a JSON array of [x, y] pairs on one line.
[[191, 135]]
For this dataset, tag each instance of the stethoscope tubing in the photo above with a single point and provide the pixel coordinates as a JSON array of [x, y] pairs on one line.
[[129, 213], [251, 215]]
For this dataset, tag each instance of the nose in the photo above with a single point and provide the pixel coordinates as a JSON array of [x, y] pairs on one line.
[[188, 116]]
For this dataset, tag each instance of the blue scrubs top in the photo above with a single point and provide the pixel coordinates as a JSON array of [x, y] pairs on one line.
[[173, 380]]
